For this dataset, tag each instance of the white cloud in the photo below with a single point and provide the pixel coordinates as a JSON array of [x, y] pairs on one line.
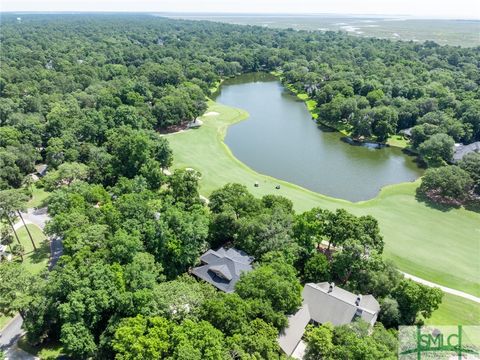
[[465, 9]]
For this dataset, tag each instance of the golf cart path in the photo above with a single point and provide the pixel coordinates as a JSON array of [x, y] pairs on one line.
[[443, 288]]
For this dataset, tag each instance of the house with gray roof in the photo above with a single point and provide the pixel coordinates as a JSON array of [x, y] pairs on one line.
[[41, 170], [222, 268], [407, 133], [322, 303], [460, 150]]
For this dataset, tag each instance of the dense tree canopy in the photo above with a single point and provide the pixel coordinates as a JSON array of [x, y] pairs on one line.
[[90, 95]]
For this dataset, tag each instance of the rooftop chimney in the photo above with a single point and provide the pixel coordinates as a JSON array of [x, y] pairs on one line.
[[331, 287], [359, 298]]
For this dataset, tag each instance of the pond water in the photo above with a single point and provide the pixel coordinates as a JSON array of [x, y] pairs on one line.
[[281, 140]]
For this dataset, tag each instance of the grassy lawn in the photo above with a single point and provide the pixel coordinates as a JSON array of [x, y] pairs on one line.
[[437, 245], [398, 141], [455, 310], [34, 261], [46, 352], [38, 197], [4, 320]]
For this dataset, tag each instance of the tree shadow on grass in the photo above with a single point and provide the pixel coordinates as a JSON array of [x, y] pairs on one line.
[[42, 253], [445, 207], [473, 206], [421, 197]]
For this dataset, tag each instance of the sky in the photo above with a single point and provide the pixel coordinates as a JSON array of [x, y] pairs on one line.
[[459, 9]]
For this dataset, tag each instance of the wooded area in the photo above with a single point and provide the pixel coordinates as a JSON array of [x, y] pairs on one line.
[[89, 94]]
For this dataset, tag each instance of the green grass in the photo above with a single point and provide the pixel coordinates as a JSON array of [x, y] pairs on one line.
[[398, 141], [33, 261], [455, 310], [38, 197], [4, 320], [439, 246], [47, 351]]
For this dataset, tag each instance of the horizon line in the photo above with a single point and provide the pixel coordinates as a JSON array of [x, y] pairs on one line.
[[148, 12]]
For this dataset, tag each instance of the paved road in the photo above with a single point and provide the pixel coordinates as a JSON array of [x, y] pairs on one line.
[[13, 331], [443, 288]]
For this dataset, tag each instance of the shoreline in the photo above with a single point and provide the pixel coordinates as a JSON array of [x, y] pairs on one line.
[[395, 207], [392, 141]]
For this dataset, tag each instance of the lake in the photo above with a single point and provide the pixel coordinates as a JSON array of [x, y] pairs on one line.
[[281, 140]]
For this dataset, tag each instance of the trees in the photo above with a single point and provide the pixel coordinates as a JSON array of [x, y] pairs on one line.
[[142, 338], [16, 286], [183, 185], [132, 149], [320, 342], [235, 197], [416, 301], [352, 341], [446, 184], [65, 174], [267, 231], [437, 149], [258, 340], [182, 298], [471, 164], [274, 282], [389, 312], [308, 228], [12, 202], [316, 269], [197, 341], [88, 109]]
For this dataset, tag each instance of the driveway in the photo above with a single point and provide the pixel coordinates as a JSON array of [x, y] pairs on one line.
[[13, 331]]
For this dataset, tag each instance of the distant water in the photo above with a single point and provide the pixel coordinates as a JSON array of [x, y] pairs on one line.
[[280, 139], [442, 31]]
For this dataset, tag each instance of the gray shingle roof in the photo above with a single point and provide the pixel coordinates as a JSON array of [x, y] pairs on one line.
[[406, 132], [461, 150], [322, 304], [223, 267]]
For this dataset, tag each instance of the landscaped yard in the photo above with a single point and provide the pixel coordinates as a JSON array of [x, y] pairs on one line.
[[38, 197], [438, 245], [34, 261], [47, 351]]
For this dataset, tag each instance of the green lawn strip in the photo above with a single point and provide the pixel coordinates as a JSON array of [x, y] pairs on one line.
[[398, 141], [455, 310], [33, 261], [38, 197], [440, 246], [4, 320], [48, 351]]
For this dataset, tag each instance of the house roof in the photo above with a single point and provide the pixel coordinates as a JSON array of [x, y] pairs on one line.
[[406, 132], [337, 306], [322, 304], [461, 150], [291, 336], [41, 169], [223, 267]]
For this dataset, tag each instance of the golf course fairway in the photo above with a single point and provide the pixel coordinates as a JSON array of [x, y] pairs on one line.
[[437, 245]]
